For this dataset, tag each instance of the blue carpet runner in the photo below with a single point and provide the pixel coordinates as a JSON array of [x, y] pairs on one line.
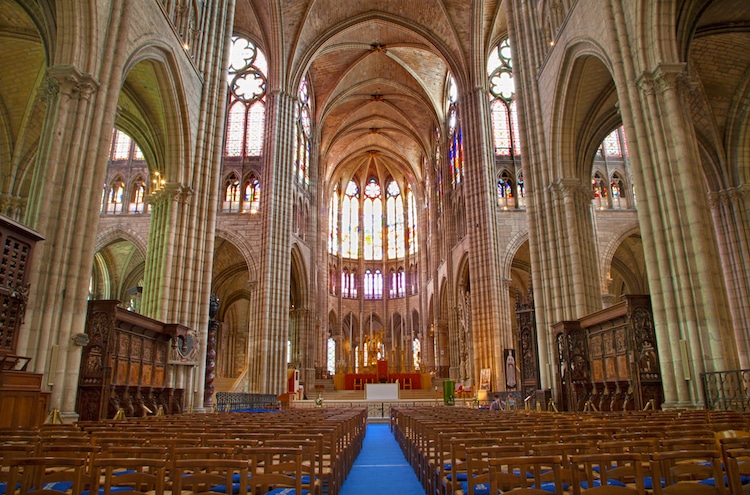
[[381, 467]]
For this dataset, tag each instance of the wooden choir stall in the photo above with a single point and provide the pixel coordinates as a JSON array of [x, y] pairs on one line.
[[125, 363], [24, 397], [608, 360]]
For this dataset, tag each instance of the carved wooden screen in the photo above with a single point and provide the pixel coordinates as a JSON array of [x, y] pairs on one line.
[[124, 364], [527, 345], [608, 360], [16, 242]]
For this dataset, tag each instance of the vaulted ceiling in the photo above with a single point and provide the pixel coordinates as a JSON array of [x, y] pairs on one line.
[[377, 71]]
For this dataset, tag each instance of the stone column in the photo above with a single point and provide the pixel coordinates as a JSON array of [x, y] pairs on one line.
[[267, 357], [688, 295], [731, 215]]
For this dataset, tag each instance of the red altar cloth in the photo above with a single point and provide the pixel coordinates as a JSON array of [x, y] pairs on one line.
[[357, 381]]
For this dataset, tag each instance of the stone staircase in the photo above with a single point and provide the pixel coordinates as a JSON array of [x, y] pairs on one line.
[[224, 384]]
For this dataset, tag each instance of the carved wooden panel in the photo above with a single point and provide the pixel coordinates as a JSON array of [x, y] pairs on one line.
[[124, 364], [617, 346], [16, 247]]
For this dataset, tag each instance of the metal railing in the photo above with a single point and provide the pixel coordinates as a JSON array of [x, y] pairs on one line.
[[238, 401], [727, 390]]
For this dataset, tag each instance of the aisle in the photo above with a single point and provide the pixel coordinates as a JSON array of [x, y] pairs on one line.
[[381, 467]]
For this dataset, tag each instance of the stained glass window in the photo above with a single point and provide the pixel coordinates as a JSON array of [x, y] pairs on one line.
[[247, 92], [350, 222], [373, 284], [232, 194], [617, 188], [505, 193], [114, 200], [456, 146], [122, 147], [331, 360], [251, 200], [611, 144], [438, 172], [500, 128], [372, 218], [412, 218], [303, 133], [333, 223], [416, 353], [378, 285], [600, 191], [137, 196], [395, 219], [504, 114], [520, 191]]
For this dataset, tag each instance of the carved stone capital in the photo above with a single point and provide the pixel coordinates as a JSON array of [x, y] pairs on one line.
[[571, 190], [67, 80], [671, 76]]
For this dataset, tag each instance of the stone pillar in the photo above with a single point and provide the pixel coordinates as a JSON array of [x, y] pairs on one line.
[[731, 214], [267, 352], [63, 207], [688, 294]]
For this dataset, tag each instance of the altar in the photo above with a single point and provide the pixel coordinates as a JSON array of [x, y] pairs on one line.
[[359, 381]]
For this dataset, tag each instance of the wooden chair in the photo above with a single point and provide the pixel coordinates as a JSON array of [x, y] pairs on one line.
[[47, 475], [565, 451], [737, 467], [273, 468], [608, 474], [689, 472], [526, 475], [477, 465], [311, 468], [137, 476], [688, 443], [143, 452], [210, 476]]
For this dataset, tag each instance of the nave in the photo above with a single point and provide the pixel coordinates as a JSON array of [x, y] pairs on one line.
[[423, 451]]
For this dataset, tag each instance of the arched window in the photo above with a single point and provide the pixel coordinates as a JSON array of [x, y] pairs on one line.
[[395, 219], [373, 284], [372, 220], [600, 191], [114, 198], [251, 199], [619, 194], [137, 196], [502, 101], [505, 190], [400, 283], [353, 284], [232, 194], [247, 94], [303, 133], [611, 144], [122, 147], [520, 191], [412, 218], [333, 222], [331, 356], [345, 280], [438, 172], [455, 134], [378, 284], [614, 164], [350, 222], [416, 349]]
